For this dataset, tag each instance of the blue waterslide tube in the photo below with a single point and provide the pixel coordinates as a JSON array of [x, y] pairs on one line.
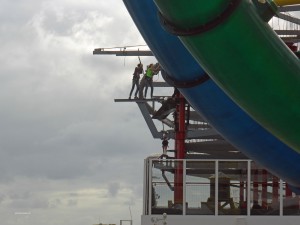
[[210, 101]]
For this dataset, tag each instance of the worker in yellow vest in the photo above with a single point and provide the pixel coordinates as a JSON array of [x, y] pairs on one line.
[[152, 69]]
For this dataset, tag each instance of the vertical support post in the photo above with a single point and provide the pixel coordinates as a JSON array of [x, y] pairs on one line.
[[281, 198], [275, 187], [288, 191], [264, 188], [255, 185], [217, 188], [145, 187], [150, 188], [179, 149], [184, 188], [242, 186], [248, 187]]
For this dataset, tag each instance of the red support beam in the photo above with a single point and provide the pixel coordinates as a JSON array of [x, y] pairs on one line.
[[255, 185], [264, 196], [179, 149], [288, 191], [242, 188], [275, 193]]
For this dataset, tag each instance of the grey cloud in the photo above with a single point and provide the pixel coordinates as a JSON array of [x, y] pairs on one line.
[[113, 189], [72, 202], [21, 204], [2, 197], [23, 195], [61, 131], [55, 203]]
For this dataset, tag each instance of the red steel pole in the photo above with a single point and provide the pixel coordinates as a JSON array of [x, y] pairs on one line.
[[264, 191], [179, 149], [255, 185], [275, 193]]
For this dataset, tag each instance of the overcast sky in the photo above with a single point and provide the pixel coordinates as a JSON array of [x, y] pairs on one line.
[[68, 153]]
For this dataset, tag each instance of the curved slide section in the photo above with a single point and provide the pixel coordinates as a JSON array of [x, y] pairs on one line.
[[210, 101], [245, 57]]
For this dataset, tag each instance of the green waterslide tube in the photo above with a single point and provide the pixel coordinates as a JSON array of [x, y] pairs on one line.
[[244, 56]]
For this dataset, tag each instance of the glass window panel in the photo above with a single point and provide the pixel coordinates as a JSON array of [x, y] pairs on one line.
[[264, 192], [232, 192], [198, 188], [163, 187], [290, 201]]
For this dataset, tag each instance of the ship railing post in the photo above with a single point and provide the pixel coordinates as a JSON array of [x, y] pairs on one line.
[[184, 188], [248, 186], [150, 188], [216, 188], [281, 198]]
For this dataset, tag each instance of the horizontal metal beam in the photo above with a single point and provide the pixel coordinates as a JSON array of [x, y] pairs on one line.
[[203, 134], [102, 51], [292, 36], [289, 8], [135, 100], [209, 146], [287, 32], [291, 39], [218, 156]]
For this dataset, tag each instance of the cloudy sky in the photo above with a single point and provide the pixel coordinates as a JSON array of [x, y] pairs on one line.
[[68, 153]]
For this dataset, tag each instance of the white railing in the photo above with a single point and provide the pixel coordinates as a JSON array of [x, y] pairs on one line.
[[219, 187]]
